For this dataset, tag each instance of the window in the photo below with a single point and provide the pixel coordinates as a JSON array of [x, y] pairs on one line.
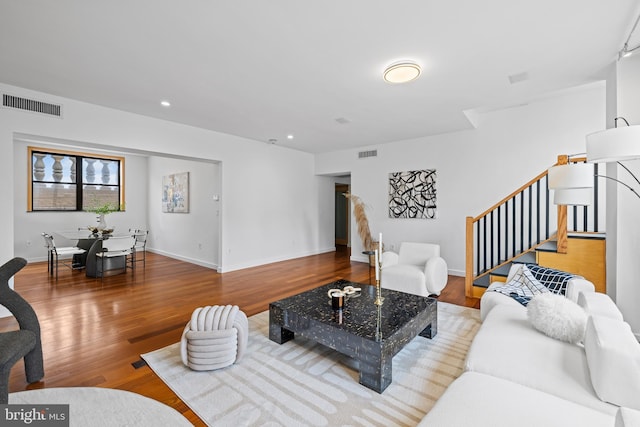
[[68, 181]]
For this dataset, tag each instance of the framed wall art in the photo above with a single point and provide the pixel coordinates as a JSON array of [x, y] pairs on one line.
[[412, 194], [175, 193]]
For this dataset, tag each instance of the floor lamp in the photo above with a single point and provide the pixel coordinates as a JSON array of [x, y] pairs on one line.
[[572, 183]]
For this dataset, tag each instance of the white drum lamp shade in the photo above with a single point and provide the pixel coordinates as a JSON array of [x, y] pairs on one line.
[[616, 144], [570, 176], [573, 196]]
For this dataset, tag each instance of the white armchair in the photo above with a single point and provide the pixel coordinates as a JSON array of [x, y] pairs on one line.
[[417, 269]]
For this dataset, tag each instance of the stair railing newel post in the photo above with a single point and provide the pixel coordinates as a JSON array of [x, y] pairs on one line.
[[562, 238], [469, 272]]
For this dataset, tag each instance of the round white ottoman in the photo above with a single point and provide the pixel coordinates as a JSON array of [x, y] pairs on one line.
[[216, 337]]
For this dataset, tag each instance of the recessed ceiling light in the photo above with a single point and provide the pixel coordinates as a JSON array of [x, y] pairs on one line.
[[402, 72], [289, 136], [165, 103]]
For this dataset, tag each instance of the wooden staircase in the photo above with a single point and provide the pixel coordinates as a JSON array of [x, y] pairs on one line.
[[518, 230]]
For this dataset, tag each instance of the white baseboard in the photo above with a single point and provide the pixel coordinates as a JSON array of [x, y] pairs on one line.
[[359, 258], [265, 261], [185, 259]]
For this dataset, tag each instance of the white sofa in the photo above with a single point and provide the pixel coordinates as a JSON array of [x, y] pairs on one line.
[[417, 269], [516, 375]]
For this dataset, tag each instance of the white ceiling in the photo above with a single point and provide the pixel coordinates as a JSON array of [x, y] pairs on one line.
[[265, 69]]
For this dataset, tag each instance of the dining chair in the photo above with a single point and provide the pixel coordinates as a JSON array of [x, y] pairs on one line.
[[114, 247], [57, 254], [140, 246]]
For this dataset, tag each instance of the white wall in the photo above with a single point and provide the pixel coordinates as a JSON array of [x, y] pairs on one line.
[[174, 234], [475, 168], [28, 226], [627, 207], [269, 194]]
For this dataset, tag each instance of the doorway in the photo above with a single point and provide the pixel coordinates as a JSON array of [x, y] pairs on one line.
[[341, 215]]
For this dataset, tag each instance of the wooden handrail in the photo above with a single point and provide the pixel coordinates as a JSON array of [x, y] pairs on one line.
[[510, 196], [523, 187]]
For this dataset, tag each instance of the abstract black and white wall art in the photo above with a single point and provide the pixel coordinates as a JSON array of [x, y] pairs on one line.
[[412, 194]]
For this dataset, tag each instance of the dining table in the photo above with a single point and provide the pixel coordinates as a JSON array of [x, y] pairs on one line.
[[92, 244]]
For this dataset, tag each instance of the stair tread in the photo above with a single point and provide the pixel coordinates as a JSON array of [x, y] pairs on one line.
[[551, 246], [525, 258], [482, 282], [502, 271]]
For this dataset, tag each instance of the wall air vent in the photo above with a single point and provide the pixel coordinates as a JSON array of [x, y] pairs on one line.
[[365, 154], [11, 101]]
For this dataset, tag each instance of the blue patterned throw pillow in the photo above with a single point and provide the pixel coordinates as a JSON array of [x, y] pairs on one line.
[[554, 280]]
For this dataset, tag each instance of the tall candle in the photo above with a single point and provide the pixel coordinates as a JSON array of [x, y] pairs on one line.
[[377, 265], [380, 243]]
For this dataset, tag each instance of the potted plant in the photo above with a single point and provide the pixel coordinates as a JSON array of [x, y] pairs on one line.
[[101, 211]]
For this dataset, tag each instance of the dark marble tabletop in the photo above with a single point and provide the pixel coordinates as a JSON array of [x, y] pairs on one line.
[[360, 315]]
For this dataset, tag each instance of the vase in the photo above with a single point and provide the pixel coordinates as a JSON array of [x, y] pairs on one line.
[[102, 224]]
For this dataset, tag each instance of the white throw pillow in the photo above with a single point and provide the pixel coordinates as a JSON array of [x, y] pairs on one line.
[[557, 317]]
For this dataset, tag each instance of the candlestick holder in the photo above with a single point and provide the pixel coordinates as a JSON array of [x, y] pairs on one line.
[[379, 323], [379, 300]]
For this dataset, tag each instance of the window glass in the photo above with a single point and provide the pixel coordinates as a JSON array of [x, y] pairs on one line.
[[72, 181]]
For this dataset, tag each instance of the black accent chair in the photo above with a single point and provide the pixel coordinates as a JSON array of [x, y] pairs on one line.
[[25, 342]]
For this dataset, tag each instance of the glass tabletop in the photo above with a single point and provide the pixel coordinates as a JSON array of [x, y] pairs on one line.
[[87, 234]]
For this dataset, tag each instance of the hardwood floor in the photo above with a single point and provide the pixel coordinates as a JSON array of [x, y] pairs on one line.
[[93, 332]]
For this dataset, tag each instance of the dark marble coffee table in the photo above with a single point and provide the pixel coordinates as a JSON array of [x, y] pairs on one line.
[[370, 334]]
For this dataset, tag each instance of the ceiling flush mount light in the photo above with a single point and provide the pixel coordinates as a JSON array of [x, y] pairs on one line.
[[289, 136], [402, 72], [165, 103]]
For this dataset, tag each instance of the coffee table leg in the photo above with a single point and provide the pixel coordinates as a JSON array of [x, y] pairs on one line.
[[276, 332], [375, 371], [279, 334], [431, 330]]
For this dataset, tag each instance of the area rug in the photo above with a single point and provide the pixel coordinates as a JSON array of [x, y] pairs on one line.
[[301, 383]]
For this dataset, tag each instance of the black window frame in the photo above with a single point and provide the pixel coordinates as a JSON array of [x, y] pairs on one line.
[[79, 157]]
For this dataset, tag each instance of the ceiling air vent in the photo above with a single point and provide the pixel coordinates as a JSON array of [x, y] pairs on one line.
[[11, 101], [365, 154]]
